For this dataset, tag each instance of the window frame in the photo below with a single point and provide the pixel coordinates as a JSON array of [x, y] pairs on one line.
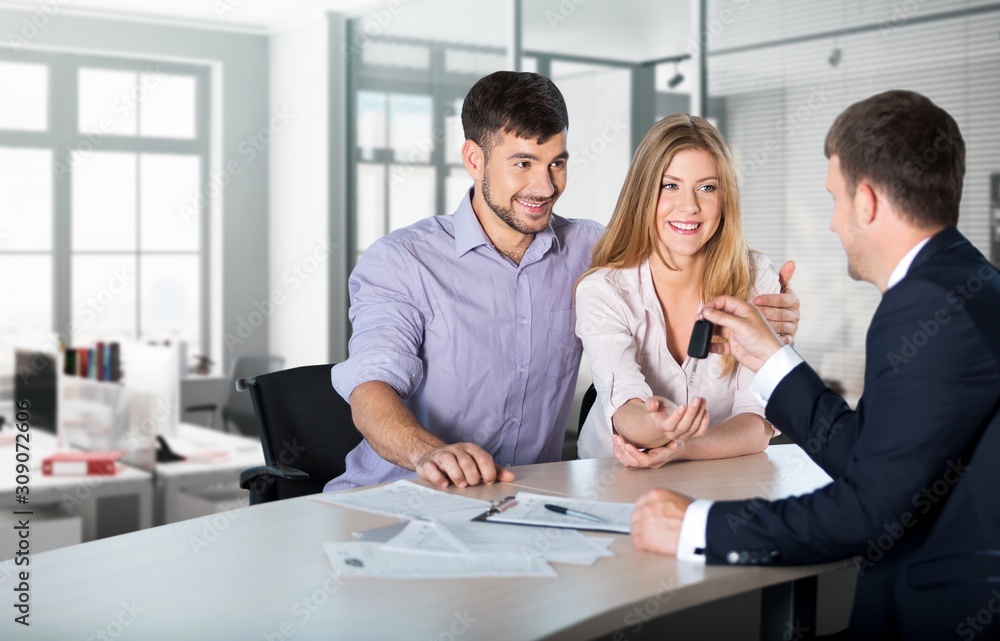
[[63, 138]]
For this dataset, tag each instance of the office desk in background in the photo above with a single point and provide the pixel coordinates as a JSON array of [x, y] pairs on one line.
[[237, 453], [260, 572], [76, 494]]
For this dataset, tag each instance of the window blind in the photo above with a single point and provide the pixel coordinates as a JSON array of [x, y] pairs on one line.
[[783, 72]]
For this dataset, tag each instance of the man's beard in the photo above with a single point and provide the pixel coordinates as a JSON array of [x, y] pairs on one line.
[[507, 215]]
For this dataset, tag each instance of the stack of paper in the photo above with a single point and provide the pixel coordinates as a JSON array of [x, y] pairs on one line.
[[437, 549], [408, 500], [444, 541]]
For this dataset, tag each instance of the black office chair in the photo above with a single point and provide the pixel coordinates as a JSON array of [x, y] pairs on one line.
[[305, 428], [589, 397], [238, 411]]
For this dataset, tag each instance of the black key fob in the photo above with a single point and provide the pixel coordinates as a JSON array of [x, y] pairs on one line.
[[701, 338]]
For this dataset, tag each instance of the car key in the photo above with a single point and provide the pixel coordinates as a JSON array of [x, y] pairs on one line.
[[701, 339]]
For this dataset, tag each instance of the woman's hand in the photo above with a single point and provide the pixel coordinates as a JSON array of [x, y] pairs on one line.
[[631, 456]]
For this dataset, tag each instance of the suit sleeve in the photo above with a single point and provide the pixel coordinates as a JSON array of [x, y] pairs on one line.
[[930, 386]]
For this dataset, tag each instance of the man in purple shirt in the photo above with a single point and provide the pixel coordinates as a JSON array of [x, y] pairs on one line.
[[464, 357]]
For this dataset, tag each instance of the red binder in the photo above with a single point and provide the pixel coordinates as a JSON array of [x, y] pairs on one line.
[[81, 464]]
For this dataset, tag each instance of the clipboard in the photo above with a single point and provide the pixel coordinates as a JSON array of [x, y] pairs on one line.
[[618, 520]]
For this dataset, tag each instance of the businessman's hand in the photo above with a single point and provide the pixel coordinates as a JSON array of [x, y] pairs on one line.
[[781, 310], [748, 336], [461, 464], [656, 521], [654, 458]]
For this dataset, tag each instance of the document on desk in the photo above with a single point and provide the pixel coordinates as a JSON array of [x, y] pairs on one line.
[[529, 509], [494, 539], [405, 499], [363, 558]]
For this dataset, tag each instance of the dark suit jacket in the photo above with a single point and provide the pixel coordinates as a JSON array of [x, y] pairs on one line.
[[915, 499]]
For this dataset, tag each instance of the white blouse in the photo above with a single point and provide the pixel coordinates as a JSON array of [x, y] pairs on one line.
[[621, 324]]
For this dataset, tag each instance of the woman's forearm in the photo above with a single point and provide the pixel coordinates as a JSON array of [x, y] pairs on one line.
[[633, 422], [742, 434]]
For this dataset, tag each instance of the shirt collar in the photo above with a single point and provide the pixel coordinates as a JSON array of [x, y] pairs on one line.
[[904, 265], [469, 234]]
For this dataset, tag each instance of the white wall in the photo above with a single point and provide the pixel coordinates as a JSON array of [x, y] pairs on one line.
[[299, 221]]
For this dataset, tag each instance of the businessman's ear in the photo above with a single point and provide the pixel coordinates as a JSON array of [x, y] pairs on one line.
[[474, 160], [866, 204]]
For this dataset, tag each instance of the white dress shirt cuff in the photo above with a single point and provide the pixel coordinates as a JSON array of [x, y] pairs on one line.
[[772, 371], [691, 544]]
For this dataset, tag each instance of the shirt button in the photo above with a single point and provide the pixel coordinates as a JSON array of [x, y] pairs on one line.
[[515, 419], [522, 370], [524, 321]]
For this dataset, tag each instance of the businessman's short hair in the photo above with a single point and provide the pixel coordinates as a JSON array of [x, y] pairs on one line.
[[912, 149], [525, 104]]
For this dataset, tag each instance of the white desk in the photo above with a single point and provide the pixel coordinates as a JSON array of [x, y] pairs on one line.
[[78, 494], [171, 478], [260, 572]]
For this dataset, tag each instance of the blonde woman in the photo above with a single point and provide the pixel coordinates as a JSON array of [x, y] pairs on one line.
[[675, 240]]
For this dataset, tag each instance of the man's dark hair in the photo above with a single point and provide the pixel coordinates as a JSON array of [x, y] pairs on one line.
[[903, 143], [515, 102]]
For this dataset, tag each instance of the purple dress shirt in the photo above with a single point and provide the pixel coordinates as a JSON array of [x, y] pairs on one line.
[[481, 349]]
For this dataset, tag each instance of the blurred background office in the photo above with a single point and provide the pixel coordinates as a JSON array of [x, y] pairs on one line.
[[204, 174]]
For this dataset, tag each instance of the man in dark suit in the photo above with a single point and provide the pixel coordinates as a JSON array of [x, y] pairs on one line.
[[915, 497]]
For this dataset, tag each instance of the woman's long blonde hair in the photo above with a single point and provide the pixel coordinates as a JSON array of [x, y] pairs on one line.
[[632, 235]]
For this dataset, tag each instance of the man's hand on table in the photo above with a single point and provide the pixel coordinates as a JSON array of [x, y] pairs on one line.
[[461, 465], [656, 521]]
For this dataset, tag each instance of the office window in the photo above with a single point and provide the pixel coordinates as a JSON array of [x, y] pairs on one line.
[[777, 81], [406, 132], [100, 216], [23, 96]]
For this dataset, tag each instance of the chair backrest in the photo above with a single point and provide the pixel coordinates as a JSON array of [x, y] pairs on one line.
[[305, 424], [589, 397], [238, 409]]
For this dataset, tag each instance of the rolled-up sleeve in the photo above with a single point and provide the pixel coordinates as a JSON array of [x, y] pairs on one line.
[[387, 316], [609, 344]]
